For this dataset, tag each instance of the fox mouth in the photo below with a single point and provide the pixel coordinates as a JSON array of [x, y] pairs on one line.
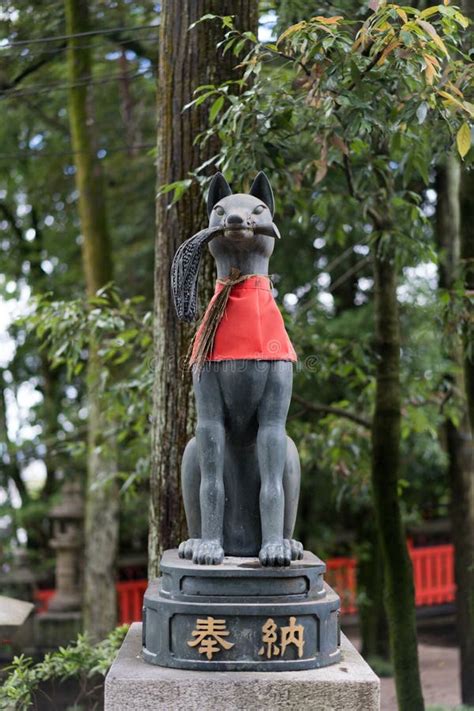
[[240, 231], [244, 231]]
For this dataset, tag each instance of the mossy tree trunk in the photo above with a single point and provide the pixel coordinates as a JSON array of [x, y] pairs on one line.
[[467, 257], [399, 588], [370, 587], [187, 59], [102, 501], [457, 435], [465, 491], [465, 486]]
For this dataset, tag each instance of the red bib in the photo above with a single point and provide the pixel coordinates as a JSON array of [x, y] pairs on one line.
[[251, 328]]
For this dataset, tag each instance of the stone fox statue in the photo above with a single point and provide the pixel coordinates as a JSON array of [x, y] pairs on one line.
[[240, 473]]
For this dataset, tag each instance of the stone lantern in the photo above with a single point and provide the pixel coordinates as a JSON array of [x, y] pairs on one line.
[[67, 518]]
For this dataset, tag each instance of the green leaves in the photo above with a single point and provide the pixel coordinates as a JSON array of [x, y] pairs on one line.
[[119, 330], [226, 20], [215, 108], [463, 140], [178, 186], [80, 659], [290, 31], [430, 30]]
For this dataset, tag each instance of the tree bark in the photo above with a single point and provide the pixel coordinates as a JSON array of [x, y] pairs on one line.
[[467, 257], [370, 587], [465, 487], [102, 499], [458, 437], [461, 472], [462, 465], [399, 588], [187, 59]]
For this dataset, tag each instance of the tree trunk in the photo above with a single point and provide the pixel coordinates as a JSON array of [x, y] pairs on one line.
[[467, 256], [461, 472], [370, 587], [463, 485], [102, 499], [188, 58], [399, 589], [458, 439], [465, 492]]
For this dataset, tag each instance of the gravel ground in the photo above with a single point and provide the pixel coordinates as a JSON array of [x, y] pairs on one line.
[[439, 664], [439, 677]]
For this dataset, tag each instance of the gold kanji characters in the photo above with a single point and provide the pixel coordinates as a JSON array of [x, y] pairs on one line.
[[209, 634], [289, 634], [209, 637], [269, 637], [292, 634]]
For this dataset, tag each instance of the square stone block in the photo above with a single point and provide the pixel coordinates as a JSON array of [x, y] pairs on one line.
[[132, 685]]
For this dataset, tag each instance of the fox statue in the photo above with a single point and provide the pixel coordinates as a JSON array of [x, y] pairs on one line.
[[241, 472]]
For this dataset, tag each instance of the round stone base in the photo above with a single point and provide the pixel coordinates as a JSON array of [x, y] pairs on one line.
[[240, 616]]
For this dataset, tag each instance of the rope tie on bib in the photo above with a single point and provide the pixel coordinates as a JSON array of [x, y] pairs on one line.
[[210, 322]]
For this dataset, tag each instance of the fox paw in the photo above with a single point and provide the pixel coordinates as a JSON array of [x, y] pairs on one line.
[[186, 548], [208, 553], [296, 549], [273, 554]]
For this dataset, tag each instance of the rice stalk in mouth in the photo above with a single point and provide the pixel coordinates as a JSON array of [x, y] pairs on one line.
[[186, 262]]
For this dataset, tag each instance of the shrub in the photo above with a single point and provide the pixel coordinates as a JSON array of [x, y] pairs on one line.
[[80, 660]]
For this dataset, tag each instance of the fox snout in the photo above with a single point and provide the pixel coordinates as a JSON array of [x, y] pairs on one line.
[[235, 221]]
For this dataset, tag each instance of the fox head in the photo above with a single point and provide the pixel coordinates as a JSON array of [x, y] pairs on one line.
[[241, 234], [241, 215]]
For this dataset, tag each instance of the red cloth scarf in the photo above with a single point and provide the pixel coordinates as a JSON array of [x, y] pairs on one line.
[[251, 327]]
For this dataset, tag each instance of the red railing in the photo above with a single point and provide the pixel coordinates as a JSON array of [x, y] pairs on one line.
[[341, 575], [130, 600], [433, 574], [42, 597]]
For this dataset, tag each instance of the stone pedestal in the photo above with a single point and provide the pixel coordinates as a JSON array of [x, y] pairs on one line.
[[241, 616], [132, 685]]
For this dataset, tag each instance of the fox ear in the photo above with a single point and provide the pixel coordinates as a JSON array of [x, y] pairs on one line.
[[218, 189], [262, 190]]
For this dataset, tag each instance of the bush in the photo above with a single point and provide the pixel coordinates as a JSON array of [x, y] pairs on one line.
[[80, 660]]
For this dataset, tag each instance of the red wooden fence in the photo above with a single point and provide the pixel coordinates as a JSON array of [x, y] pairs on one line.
[[130, 600], [433, 574], [341, 575]]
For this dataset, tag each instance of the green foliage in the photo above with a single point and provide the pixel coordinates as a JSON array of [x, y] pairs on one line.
[[40, 240], [121, 330], [81, 660], [314, 89], [349, 116]]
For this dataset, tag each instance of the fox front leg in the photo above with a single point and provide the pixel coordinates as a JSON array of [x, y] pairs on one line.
[[210, 443], [272, 449]]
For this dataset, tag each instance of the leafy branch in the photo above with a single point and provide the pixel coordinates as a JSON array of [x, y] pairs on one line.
[[81, 660]]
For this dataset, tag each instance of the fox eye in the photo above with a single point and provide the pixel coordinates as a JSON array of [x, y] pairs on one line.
[[258, 210], [219, 210]]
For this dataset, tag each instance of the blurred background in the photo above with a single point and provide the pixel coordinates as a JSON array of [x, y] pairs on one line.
[[362, 172]]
